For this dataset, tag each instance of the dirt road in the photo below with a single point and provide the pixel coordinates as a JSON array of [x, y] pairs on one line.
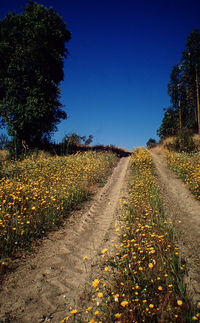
[[184, 211], [46, 284]]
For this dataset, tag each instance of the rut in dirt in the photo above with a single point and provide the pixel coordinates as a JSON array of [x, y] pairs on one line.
[[47, 285], [184, 211]]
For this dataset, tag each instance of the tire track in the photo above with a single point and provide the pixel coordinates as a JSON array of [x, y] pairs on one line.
[[46, 285], [184, 211]]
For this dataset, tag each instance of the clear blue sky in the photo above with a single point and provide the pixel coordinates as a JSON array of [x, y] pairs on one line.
[[122, 53]]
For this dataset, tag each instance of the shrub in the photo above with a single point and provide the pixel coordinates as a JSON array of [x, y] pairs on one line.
[[151, 143], [4, 141], [183, 142]]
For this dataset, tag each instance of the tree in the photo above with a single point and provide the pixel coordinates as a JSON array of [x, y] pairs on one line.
[[32, 52], [89, 140], [169, 125], [4, 141], [183, 90], [151, 143], [73, 142], [75, 139], [178, 92], [191, 70]]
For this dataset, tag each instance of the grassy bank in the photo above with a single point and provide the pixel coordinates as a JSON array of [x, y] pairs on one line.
[[36, 193], [187, 167]]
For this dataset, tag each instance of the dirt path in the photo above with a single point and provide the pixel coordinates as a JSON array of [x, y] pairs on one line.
[[184, 211], [44, 286]]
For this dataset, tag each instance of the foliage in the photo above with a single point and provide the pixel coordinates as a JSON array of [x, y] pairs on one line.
[[187, 166], [169, 125], [4, 141], [70, 143], [36, 193], [190, 63], [143, 280], [183, 142], [151, 143], [183, 90], [32, 49]]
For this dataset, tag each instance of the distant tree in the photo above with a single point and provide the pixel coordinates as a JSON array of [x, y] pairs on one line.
[[151, 143], [32, 49], [169, 125], [89, 140], [72, 142], [75, 139], [4, 141]]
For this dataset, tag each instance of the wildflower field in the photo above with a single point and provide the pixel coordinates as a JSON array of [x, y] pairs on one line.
[[36, 193], [187, 167], [143, 280]]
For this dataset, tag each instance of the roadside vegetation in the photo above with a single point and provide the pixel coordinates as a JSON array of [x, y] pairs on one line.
[[143, 280], [37, 192], [187, 167]]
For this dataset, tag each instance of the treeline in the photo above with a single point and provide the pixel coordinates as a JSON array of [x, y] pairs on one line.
[[70, 144], [183, 89]]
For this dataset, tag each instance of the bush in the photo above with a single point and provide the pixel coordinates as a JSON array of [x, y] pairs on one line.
[[183, 142], [4, 141], [151, 143]]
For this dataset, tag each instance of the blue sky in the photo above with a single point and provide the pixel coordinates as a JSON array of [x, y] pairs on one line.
[[121, 56]]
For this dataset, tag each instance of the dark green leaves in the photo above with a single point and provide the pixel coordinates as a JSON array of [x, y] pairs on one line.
[[32, 52]]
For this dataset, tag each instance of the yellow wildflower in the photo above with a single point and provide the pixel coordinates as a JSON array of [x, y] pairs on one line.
[[74, 312], [194, 318], [150, 265], [95, 283], [92, 321], [124, 303], [104, 251], [65, 319]]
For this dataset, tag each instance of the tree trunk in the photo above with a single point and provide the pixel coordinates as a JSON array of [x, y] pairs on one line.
[[198, 110]]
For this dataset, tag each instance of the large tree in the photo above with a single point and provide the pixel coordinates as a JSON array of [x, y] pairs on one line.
[[191, 69], [183, 90], [178, 96], [32, 52]]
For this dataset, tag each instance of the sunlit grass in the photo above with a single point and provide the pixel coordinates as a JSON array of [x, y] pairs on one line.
[[187, 166], [36, 193], [143, 280]]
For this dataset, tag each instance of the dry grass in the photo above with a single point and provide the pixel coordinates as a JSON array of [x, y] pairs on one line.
[[3, 155]]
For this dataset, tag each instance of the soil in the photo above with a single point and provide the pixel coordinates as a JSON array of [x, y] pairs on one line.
[[48, 283], [184, 212]]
